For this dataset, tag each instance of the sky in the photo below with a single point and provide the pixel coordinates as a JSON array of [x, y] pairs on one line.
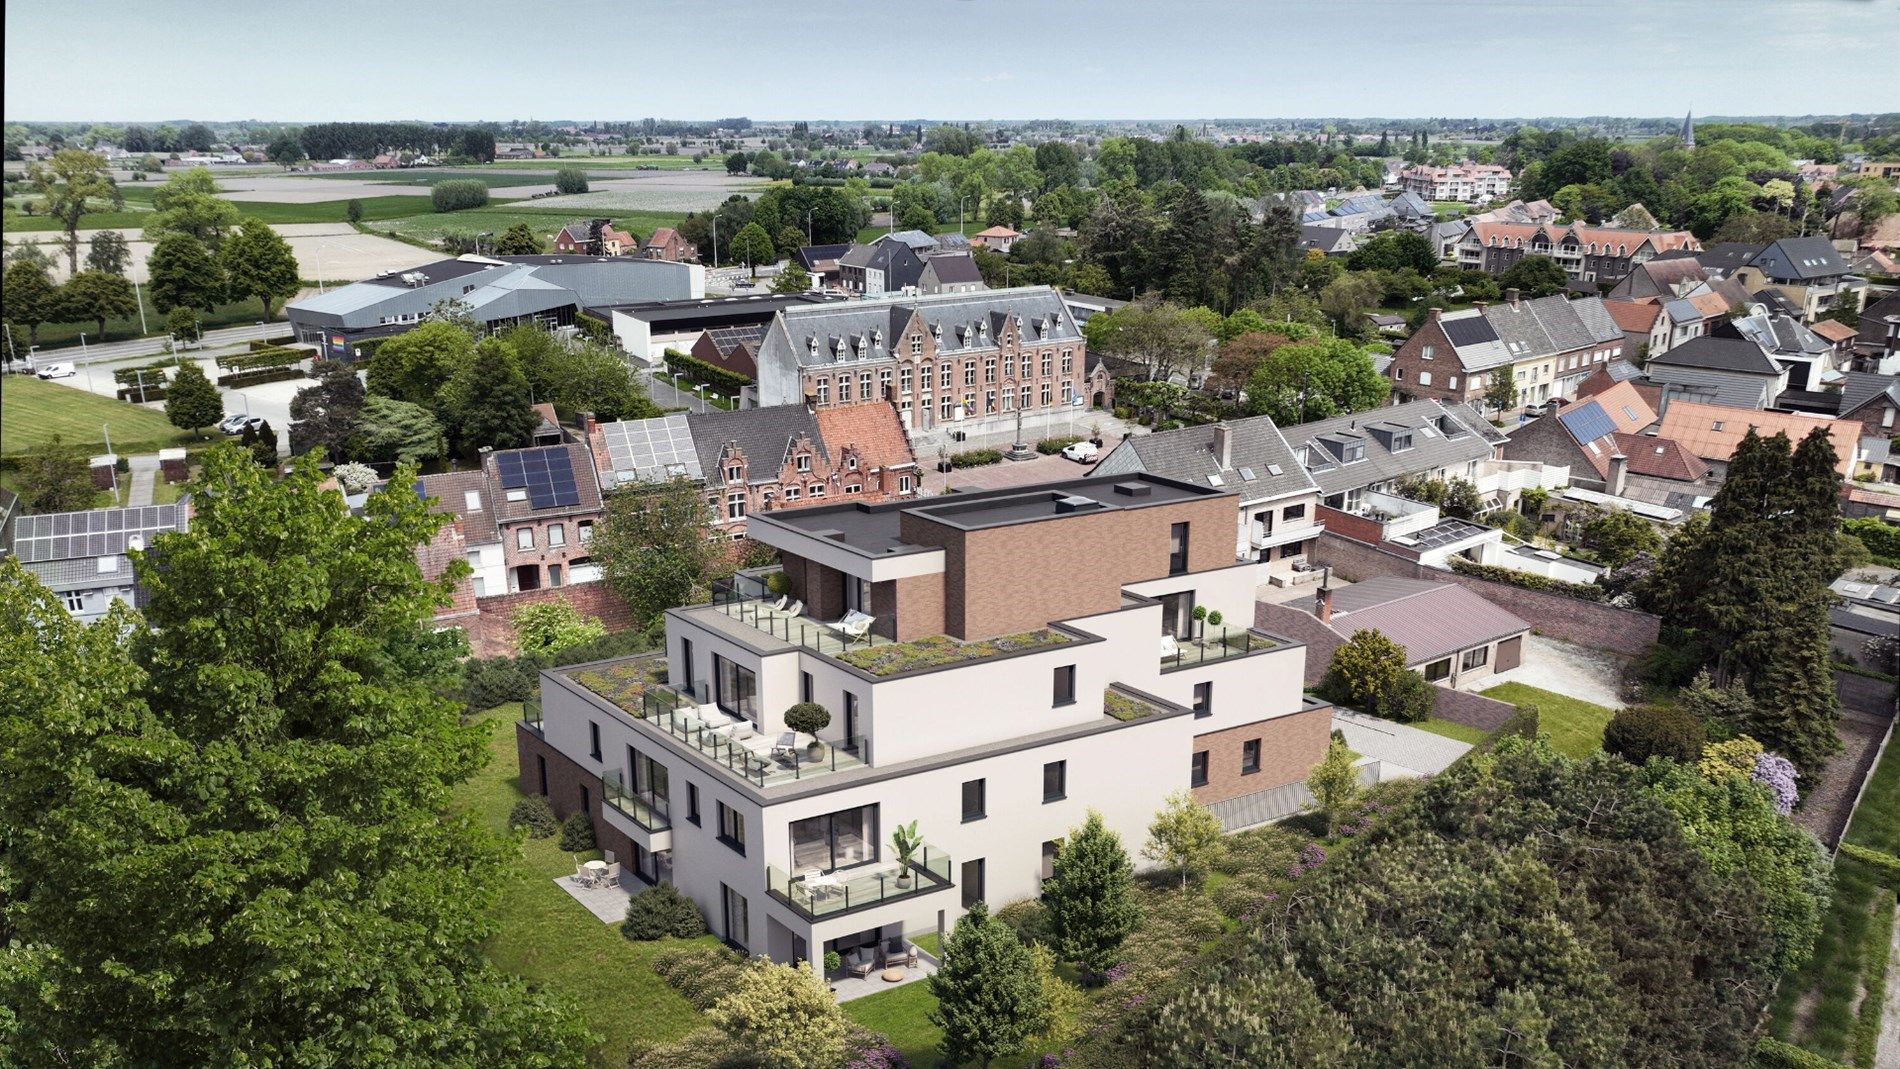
[[121, 61]]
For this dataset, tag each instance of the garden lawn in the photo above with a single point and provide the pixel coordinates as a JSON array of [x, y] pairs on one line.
[[1876, 821], [1453, 730], [1575, 726], [902, 1014], [33, 411], [549, 939]]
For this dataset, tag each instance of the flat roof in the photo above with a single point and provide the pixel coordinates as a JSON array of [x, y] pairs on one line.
[[762, 306], [874, 530]]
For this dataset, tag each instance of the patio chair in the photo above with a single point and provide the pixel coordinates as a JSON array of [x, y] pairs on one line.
[[783, 600], [796, 608], [786, 746], [860, 962], [1170, 649], [610, 878], [583, 875], [899, 951], [854, 625], [607, 856]]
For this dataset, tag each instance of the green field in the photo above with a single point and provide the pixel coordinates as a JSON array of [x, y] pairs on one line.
[[32, 412], [429, 176], [1575, 726], [545, 936], [683, 162], [430, 226], [66, 335]]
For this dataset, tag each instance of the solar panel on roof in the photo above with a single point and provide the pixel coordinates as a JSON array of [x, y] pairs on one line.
[[1587, 423]]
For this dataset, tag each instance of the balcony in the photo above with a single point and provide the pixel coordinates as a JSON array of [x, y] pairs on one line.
[[820, 895], [1285, 533], [747, 599], [1510, 476], [1212, 644], [531, 715], [648, 810]]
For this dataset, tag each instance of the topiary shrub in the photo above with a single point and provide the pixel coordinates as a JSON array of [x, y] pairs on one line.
[[577, 835], [661, 911], [535, 814], [1641, 732], [807, 718]]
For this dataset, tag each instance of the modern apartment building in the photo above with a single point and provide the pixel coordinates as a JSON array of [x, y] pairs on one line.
[[995, 665], [1467, 181]]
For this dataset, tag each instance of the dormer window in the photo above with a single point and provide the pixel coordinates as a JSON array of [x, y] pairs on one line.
[[1401, 440], [802, 462]]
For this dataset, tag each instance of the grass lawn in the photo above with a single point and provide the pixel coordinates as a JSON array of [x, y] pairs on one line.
[[902, 1015], [929, 942], [1876, 822], [32, 412], [1453, 730], [1575, 726], [551, 940], [394, 206], [130, 219], [66, 335], [500, 215]]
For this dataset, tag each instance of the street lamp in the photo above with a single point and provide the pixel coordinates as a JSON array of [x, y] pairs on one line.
[[139, 299]]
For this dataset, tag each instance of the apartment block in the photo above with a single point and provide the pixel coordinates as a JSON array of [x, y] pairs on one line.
[[1588, 254], [994, 665], [1466, 181]]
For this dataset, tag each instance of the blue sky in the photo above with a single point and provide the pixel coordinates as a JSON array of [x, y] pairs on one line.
[[147, 60]]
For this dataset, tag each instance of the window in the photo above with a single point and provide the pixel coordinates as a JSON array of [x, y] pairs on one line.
[[554, 575], [1438, 670], [1050, 848], [824, 391], [593, 740], [989, 369], [864, 385], [735, 506], [1197, 769], [471, 500], [1398, 374], [75, 602], [944, 374], [1009, 400], [1203, 699], [969, 373], [852, 488], [1250, 757], [904, 380], [1426, 353], [692, 802], [586, 531], [805, 687], [1424, 378], [844, 388], [835, 840], [1025, 365], [524, 538], [975, 800], [916, 346], [1045, 395], [1068, 361], [735, 688], [1452, 383], [791, 493], [732, 827], [733, 913], [903, 481], [972, 882], [1293, 512], [1477, 658], [1048, 364], [1023, 395], [943, 407], [557, 535], [1065, 685], [1177, 549], [1055, 781]]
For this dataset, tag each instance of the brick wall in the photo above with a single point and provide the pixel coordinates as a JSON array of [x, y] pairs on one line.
[[1359, 528], [1289, 748], [1587, 623], [821, 588], [1471, 710], [565, 783], [1301, 626], [921, 598], [1865, 695], [491, 632]]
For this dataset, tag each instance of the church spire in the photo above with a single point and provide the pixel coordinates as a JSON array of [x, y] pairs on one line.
[[1688, 130]]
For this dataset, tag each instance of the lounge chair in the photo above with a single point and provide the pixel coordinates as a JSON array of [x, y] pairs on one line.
[[899, 951], [1170, 649], [796, 608], [860, 962], [854, 625], [779, 605], [786, 746]]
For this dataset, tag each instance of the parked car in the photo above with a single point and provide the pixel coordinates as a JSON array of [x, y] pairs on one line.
[[236, 424], [1082, 452], [57, 371]]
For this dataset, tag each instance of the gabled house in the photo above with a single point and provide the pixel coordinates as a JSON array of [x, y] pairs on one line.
[[1452, 636], [1877, 338], [1587, 254], [1873, 400], [1645, 328], [950, 273], [595, 237], [1808, 271], [81, 556], [1353, 456], [1328, 240], [821, 262], [1546, 346], [1713, 431], [1468, 181], [1600, 439], [997, 239], [667, 244], [1719, 370], [735, 349], [1810, 360]]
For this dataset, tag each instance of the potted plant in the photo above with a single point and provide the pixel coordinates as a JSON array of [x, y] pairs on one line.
[[1200, 619], [906, 842], [809, 718], [1214, 619], [833, 962], [1095, 434]]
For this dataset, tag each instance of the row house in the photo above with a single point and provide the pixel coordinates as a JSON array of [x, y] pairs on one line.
[[1545, 347], [1588, 254], [1877, 338], [1466, 181], [1602, 439], [1352, 456], [1808, 272], [524, 519], [986, 685], [757, 460], [940, 359]]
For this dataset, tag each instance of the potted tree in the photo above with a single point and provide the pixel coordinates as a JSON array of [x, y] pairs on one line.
[[1095, 434], [809, 718], [1200, 620], [1215, 619], [906, 842]]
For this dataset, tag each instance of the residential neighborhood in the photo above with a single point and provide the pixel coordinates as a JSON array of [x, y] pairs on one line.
[[714, 577]]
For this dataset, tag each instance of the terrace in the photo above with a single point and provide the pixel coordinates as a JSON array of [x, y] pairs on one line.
[[1213, 643], [746, 598], [820, 895]]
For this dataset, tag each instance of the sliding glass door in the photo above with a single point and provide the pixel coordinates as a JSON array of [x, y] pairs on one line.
[[835, 840], [735, 689]]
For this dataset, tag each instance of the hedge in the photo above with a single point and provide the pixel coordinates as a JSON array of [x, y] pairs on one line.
[[268, 357], [1774, 1054], [1051, 446], [488, 682], [259, 344], [698, 370], [133, 393], [458, 194], [367, 347], [155, 373], [1580, 591], [976, 458], [267, 374], [1881, 538], [595, 328], [1884, 865]]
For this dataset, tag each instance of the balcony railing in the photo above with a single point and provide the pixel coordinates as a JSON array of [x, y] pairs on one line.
[[821, 895], [686, 713], [1212, 644], [531, 714], [649, 810], [746, 598]]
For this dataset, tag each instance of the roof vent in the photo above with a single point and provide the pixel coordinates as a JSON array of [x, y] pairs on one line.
[[1132, 489], [1072, 503]]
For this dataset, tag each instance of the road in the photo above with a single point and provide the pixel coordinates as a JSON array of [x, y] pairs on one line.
[[119, 351]]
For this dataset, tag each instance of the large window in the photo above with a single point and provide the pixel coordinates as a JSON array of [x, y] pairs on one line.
[[1203, 699], [1055, 781], [1177, 614], [1177, 549], [735, 688], [975, 800], [1050, 848], [734, 916], [1197, 769], [1438, 670], [835, 840], [732, 827], [972, 882]]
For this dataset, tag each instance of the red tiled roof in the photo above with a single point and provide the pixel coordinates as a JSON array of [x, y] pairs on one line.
[[1832, 331], [1713, 431], [1633, 317], [1660, 240], [874, 430], [1660, 458]]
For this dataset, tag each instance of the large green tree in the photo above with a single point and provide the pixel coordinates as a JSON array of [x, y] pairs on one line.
[[487, 402], [753, 245], [70, 184], [1317, 379], [517, 240], [415, 365], [1534, 276], [107, 251], [227, 835], [324, 415], [989, 1003], [392, 430], [54, 479], [258, 263], [578, 375], [188, 203], [655, 547], [97, 296], [28, 297], [184, 274], [1090, 899], [191, 402]]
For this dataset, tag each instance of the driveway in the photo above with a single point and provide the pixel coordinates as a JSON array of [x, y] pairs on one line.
[[1402, 751], [1564, 668]]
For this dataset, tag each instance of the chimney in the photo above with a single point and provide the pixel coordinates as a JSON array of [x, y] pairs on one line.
[[586, 420], [1480, 306], [1223, 446], [1619, 473], [1511, 295], [1437, 314], [1323, 603]]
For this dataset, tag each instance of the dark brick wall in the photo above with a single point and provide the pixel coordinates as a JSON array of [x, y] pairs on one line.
[[1587, 623], [1289, 748], [1358, 528], [1301, 626], [1864, 695], [491, 632], [1471, 710]]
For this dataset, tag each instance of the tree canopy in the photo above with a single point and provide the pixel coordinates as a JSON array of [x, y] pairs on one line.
[[1317, 379]]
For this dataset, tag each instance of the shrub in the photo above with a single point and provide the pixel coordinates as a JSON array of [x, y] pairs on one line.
[[1881, 538], [577, 835], [697, 370], [570, 180], [1369, 673], [1884, 865], [807, 717], [488, 683], [1263, 849], [661, 911], [458, 194], [778, 583], [1492, 573], [1028, 919], [1051, 446], [252, 378], [535, 814], [976, 458], [1774, 1054], [1246, 894], [1641, 732], [701, 974]]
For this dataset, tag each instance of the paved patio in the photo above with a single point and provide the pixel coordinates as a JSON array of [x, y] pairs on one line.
[[1401, 750], [1565, 668], [608, 903], [850, 987]]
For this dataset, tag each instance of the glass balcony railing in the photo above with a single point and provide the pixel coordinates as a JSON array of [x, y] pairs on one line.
[[688, 713], [531, 714], [818, 895], [1211, 644], [746, 598], [645, 808]]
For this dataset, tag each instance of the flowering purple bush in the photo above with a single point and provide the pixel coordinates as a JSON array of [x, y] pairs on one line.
[[882, 1056], [1778, 775], [1312, 856]]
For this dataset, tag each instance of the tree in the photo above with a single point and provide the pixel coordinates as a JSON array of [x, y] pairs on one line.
[[1500, 393], [55, 479], [258, 263], [188, 204], [1640, 732], [261, 442], [518, 240], [1312, 380], [549, 627], [184, 275], [655, 547], [1755, 228], [285, 151], [1346, 298], [1618, 536], [570, 180], [1335, 781], [1394, 250], [191, 402], [736, 163], [1534, 276], [97, 296], [183, 323], [753, 245], [1370, 672], [325, 415], [353, 211], [783, 1017], [488, 403], [196, 137], [1184, 834], [392, 430], [989, 1002], [108, 252], [28, 295], [794, 279], [68, 184], [239, 726], [458, 194], [414, 366], [1461, 499], [1156, 335], [1090, 900]]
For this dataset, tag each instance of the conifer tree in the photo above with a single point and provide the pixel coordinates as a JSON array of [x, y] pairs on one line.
[[1090, 900], [989, 999]]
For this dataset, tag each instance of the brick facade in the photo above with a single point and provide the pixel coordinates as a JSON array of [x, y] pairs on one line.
[[1289, 748], [1301, 626], [1409, 362], [491, 630]]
